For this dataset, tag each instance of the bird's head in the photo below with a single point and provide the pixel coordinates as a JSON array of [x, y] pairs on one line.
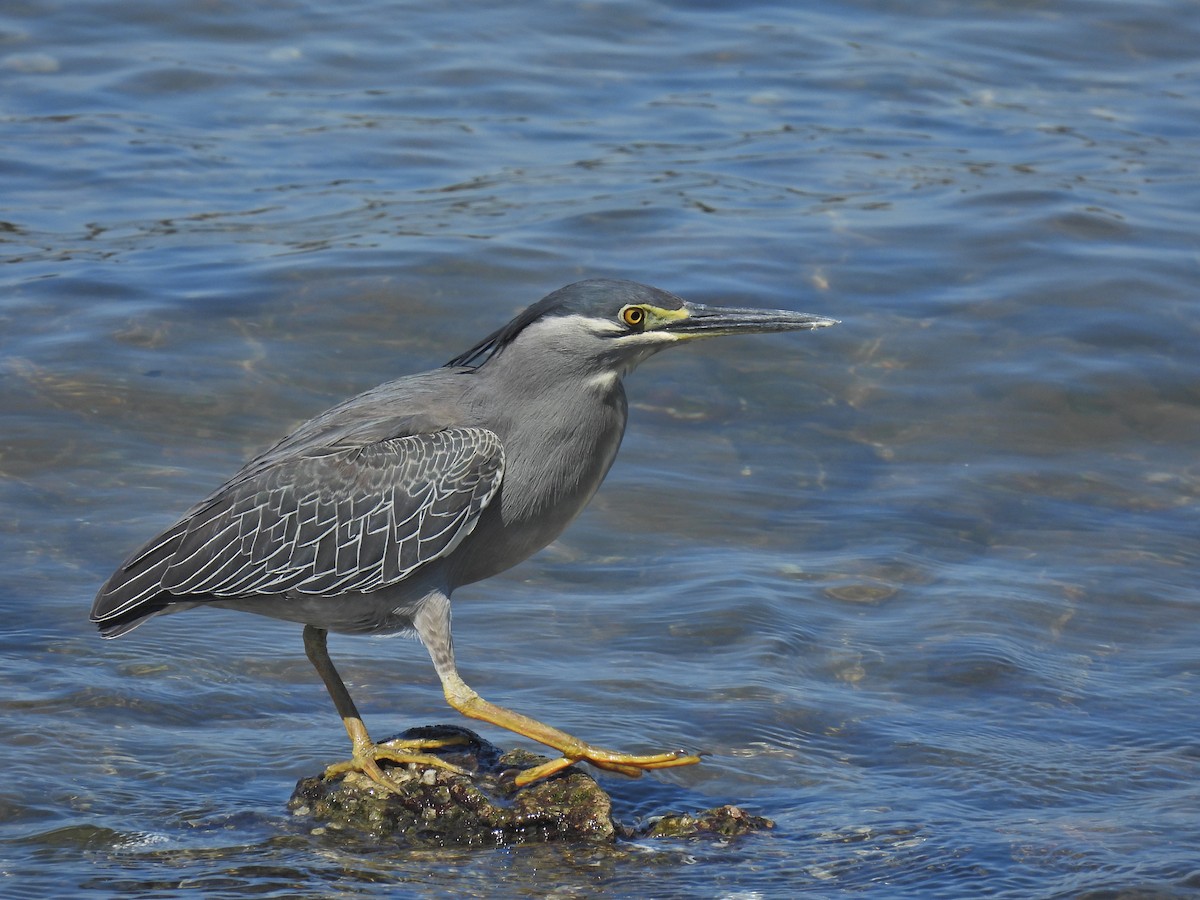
[[611, 326]]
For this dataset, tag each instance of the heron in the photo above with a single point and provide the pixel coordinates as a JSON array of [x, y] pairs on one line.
[[366, 518]]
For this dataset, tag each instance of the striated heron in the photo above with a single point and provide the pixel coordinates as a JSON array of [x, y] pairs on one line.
[[366, 518]]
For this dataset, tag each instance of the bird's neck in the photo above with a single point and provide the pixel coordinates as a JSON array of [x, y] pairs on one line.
[[558, 375]]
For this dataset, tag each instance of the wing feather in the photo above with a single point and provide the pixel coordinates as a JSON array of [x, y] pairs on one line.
[[326, 523]]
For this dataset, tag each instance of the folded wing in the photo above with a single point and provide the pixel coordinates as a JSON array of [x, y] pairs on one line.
[[326, 522]]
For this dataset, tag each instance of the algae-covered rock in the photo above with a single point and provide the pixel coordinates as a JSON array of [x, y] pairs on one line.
[[433, 806], [727, 821], [441, 807]]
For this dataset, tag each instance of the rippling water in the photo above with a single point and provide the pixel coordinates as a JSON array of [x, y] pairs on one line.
[[923, 584]]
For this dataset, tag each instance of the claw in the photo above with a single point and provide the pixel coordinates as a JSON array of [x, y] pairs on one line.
[[368, 764], [366, 760], [622, 763]]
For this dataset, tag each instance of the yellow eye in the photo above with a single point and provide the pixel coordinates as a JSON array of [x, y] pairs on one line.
[[633, 316]]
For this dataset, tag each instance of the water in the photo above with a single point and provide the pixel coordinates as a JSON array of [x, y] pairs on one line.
[[923, 584]]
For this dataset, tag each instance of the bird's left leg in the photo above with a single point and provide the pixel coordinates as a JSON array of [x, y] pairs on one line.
[[432, 623], [366, 753]]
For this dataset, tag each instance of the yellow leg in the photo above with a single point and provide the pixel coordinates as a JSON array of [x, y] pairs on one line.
[[432, 623], [573, 750], [366, 754]]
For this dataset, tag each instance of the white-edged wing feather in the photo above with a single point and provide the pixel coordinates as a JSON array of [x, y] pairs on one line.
[[326, 522]]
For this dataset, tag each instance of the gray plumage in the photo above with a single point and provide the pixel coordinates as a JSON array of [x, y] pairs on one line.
[[366, 518]]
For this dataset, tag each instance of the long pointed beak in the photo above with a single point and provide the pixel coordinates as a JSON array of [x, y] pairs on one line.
[[710, 321]]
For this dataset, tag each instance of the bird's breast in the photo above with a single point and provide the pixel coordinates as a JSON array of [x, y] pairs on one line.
[[557, 451]]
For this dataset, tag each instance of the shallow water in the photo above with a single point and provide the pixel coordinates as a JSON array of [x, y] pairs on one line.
[[921, 584]]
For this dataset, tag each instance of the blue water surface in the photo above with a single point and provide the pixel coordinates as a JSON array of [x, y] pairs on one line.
[[923, 585]]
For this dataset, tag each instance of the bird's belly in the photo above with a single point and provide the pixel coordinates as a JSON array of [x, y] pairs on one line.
[[381, 612], [496, 545]]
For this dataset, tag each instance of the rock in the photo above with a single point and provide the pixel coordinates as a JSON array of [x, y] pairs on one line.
[[436, 806], [442, 808], [727, 821]]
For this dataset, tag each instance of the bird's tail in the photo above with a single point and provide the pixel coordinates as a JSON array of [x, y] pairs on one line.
[[134, 593]]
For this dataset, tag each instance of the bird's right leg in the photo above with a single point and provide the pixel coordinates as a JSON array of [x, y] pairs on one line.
[[366, 753], [432, 623]]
